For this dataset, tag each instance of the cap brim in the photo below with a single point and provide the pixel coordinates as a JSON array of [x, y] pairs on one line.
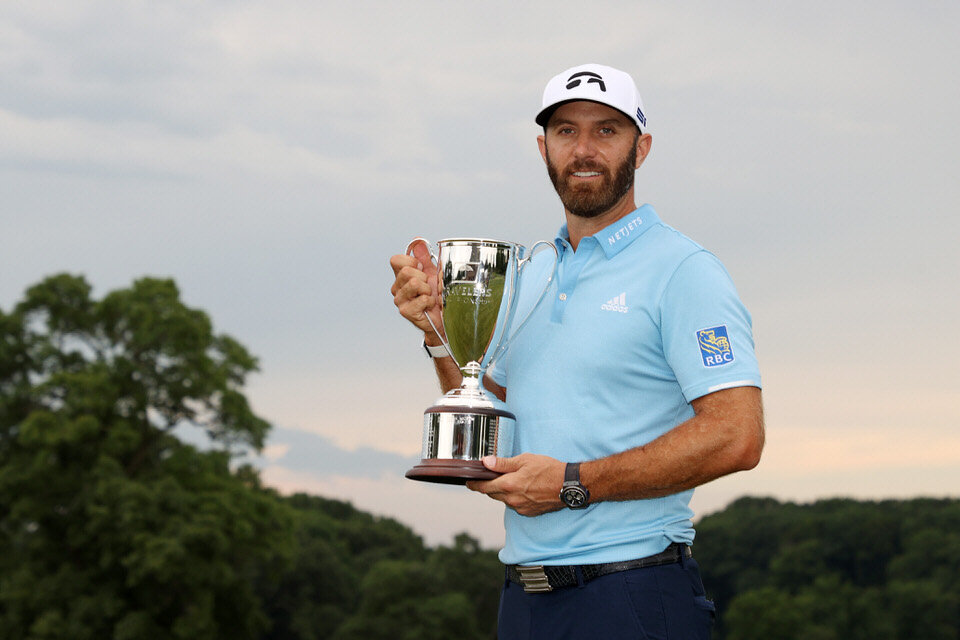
[[544, 116]]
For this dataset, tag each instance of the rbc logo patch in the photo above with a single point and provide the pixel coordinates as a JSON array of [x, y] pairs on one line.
[[715, 346]]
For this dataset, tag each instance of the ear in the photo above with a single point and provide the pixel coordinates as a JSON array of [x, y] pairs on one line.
[[542, 143], [644, 143]]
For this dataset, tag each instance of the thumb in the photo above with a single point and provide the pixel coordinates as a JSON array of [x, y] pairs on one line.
[[501, 465], [421, 251]]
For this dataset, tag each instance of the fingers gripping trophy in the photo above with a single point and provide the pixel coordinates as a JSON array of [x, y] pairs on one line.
[[477, 286]]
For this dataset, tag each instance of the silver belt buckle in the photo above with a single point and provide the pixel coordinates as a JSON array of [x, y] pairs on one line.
[[534, 579]]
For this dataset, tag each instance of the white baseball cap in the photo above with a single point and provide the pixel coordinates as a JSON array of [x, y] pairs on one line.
[[596, 83]]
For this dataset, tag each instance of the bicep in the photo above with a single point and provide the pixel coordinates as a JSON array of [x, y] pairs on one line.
[[744, 402]]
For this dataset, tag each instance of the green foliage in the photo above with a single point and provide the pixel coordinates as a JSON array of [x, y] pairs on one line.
[[834, 569], [110, 526], [358, 576]]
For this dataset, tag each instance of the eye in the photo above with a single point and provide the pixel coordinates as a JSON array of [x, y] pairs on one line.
[[607, 131]]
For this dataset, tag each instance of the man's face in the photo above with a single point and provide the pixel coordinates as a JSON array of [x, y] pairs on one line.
[[591, 155]]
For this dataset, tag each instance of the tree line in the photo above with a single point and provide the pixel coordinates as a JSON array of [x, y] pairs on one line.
[[111, 526], [834, 569]]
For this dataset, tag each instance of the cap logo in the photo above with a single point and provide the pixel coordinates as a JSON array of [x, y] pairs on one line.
[[574, 80]]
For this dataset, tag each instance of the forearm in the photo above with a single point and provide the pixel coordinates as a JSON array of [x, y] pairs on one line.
[[720, 439], [448, 373]]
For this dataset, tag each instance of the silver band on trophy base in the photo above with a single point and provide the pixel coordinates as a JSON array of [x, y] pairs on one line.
[[477, 285]]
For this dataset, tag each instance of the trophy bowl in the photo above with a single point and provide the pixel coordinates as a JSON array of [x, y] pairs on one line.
[[478, 284]]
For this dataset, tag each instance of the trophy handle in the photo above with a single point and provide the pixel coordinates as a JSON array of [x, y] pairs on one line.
[[520, 265], [433, 257]]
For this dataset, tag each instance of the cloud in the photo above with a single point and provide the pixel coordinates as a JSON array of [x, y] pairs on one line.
[[299, 451], [68, 145], [271, 156]]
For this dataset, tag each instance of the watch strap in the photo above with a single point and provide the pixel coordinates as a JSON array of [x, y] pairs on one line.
[[573, 494], [438, 351]]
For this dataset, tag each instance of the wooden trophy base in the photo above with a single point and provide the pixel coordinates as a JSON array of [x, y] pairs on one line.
[[450, 471]]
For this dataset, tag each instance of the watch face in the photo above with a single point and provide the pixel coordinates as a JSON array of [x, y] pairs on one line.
[[574, 497]]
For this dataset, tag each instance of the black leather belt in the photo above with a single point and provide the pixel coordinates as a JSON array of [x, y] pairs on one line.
[[542, 578]]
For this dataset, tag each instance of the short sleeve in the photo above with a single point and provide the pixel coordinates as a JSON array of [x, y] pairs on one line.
[[707, 332], [497, 374]]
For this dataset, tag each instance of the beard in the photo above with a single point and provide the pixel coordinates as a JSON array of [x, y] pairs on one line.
[[590, 201]]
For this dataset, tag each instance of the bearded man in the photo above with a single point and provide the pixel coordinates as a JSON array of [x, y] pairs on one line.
[[634, 382]]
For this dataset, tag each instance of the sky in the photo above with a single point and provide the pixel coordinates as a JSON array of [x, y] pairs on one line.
[[271, 156]]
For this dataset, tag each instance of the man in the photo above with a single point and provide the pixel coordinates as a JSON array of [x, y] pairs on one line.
[[633, 382]]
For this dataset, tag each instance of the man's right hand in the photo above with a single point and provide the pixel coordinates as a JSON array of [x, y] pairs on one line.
[[415, 289]]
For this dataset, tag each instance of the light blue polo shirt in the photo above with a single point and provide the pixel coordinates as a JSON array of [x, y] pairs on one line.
[[639, 321]]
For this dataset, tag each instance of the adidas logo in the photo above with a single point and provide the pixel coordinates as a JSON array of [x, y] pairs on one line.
[[617, 304]]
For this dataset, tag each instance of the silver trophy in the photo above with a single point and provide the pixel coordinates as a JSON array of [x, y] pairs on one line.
[[477, 286]]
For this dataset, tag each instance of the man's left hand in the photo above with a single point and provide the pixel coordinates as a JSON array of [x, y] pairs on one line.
[[530, 484]]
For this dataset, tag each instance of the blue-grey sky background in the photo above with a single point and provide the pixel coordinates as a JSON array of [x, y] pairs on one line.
[[271, 156]]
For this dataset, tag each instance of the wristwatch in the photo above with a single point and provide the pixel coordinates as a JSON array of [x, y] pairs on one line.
[[573, 494], [438, 351]]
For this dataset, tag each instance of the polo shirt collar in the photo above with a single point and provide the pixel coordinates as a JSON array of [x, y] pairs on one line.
[[617, 236]]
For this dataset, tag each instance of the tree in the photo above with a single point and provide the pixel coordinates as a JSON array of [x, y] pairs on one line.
[[402, 600], [475, 572], [336, 545], [763, 614], [111, 526], [836, 568]]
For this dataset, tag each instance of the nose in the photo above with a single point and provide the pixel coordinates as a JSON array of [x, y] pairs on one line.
[[584, 146]]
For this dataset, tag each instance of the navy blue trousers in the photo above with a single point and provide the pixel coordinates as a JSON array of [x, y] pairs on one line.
[[653, 603]]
